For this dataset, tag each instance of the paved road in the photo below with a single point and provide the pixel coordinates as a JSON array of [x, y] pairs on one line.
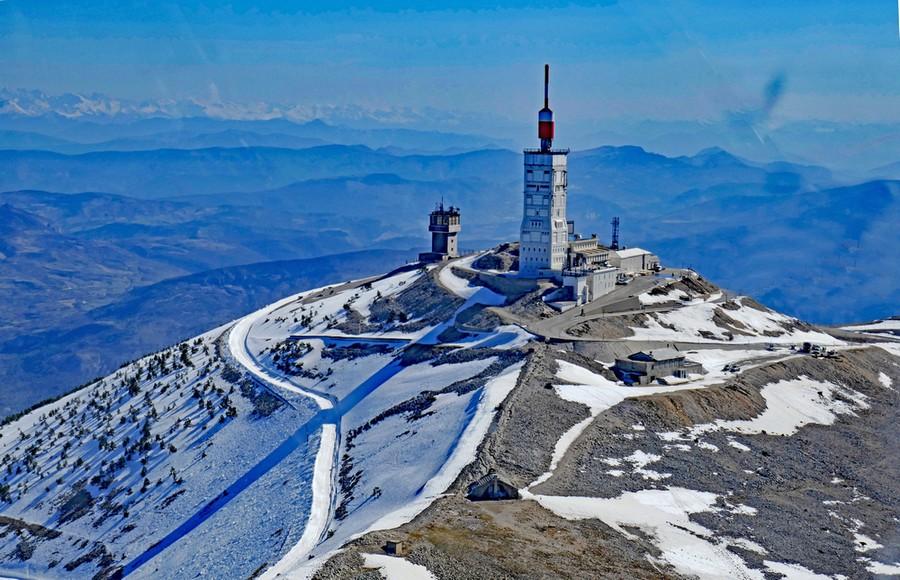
[[351, 339], [556, 326], [331, 412]]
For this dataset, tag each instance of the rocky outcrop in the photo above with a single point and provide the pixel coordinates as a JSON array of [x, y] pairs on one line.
[[503, 258]]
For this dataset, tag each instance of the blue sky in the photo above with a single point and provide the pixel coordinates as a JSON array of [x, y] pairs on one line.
[[666, 60]]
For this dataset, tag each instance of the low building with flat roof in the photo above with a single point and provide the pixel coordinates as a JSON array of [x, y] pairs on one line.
[[634, 260], [645, 367], [586, 285], [586, 253]]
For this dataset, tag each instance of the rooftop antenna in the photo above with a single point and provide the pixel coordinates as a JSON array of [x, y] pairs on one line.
[[614, 243], [546, 86], [545, 115]]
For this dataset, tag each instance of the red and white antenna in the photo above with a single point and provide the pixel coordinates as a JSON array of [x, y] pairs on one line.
[[545, 116]]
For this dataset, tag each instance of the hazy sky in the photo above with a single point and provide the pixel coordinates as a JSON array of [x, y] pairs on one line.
[[665, 60]]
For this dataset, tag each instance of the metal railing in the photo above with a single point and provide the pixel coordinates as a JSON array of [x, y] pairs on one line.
[[548, 151]]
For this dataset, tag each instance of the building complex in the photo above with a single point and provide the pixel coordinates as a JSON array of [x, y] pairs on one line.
[[549, 246]]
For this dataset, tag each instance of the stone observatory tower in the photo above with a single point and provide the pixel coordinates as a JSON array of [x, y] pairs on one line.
[[544, 235], [444, 226]]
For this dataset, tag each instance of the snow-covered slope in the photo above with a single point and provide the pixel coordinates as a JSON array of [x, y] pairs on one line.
[[291, 441], [889, 327], [113, 467], [739, 321], [253, 443]]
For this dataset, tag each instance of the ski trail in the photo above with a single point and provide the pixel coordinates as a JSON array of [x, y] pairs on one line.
[[328, 418]]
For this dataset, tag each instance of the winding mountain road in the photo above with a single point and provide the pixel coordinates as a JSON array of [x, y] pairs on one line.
[[326, 422]]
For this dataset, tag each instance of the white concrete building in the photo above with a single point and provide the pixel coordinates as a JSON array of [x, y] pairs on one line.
[[633, 260], [588, 285], [586, 252], [544, 235]]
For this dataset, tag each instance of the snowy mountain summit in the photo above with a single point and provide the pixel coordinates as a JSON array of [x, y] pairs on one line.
[[452, 421]]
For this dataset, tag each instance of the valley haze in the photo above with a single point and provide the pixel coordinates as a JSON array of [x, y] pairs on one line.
[[159, 214]]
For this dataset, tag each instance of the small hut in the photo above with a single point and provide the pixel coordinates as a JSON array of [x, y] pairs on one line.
[[491, 488], [393, 547]]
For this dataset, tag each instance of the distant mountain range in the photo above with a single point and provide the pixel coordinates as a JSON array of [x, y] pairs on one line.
[[101, 107], [72, 123], [622, 173], [230, 206], [794, 235], [71, 349], [47, 276], [79, 123], [827, 256], [174, 139], [177, 172], [34, 103]]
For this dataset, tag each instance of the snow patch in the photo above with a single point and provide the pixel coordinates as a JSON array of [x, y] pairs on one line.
[[677, 447], [505, 337], [737, 445], [640, 460], [863, 543], [744, 510], [883, 569], [393, 568], [673, 295], [793, 571], [672, 436], [599, 394], [465, 289], [892, 347], [748, 545], [791, 404], [664, 514], [880, 325], [696, 320]]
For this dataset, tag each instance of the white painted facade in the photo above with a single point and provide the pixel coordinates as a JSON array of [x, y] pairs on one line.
[[586, 286], [544, 232], [634, 260]]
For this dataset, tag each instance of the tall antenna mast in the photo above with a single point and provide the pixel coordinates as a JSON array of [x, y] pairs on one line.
[[614, 243], [546, 86], [545, 115]]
